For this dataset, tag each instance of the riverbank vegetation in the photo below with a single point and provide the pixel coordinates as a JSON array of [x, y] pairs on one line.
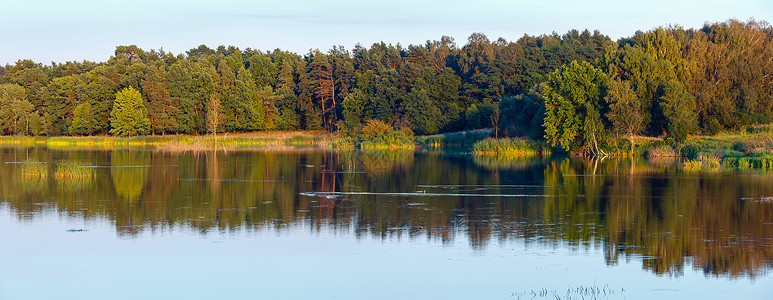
[[580, 91], [316, 139]]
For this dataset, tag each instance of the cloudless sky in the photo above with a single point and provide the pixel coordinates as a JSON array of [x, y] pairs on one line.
[[74, 30]]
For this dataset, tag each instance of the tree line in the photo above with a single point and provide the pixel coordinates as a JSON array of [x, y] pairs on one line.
[[573, 89]]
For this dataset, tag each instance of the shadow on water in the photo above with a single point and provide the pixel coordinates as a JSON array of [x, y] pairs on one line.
[[719, 222]]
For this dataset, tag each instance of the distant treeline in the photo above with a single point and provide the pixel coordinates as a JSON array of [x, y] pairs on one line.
[[719, 76]]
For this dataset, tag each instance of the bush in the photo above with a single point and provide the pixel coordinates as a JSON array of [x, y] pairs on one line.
[[375, 129], [378, 135], [690, 151]]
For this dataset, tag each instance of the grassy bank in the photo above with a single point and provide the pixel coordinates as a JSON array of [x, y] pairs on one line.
[[743, 149], [319, 139]]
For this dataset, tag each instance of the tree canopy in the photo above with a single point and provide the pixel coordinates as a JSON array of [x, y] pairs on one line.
[[437, 86]]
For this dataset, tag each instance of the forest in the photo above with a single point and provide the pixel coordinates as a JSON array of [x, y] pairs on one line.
[[572, 89]]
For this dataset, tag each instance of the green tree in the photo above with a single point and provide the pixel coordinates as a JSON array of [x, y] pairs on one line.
[[129, 116], [523, 115], [678, 106], [15, 110], [573, 106], [98, 90], [161, 105], [354, 106], [192, 83], [626, 112], [61, 97], [422, 114], [84, 122]]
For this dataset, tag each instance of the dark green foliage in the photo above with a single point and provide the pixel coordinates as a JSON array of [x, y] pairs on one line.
[[60, 98], [192, 84], [434, 87], [523, 115], [84, 121], [15, 110], [162, 106], [678, 106], [478, 117]]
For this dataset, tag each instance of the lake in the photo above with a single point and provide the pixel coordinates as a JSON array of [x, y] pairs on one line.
[[346, 224]]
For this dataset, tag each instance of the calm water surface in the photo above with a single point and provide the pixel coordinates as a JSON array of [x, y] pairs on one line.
[[314, 224]]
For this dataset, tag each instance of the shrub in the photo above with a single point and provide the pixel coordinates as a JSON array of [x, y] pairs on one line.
[[690, 151], [375, 129]]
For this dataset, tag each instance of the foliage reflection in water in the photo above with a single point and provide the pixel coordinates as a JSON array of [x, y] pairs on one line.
[[721, 222]]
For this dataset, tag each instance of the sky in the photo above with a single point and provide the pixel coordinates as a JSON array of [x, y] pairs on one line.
[[75, 30]]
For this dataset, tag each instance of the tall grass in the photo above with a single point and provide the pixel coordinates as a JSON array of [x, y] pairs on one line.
[[764, 161], [510, 147], [70, 170], [22, 140], [384, 145], [181, 142], [462, 138], [33, 170]]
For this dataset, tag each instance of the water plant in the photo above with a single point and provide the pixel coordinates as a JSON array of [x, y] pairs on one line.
[[510, 147], [33, 170], [71, 170]]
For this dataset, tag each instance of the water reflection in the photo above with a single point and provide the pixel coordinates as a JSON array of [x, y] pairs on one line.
[[720, 222]]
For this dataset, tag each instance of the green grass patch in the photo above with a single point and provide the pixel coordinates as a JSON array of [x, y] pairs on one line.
[[762, 161], [510, 147]]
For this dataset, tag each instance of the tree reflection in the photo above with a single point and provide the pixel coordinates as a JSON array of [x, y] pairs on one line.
[[718, 222]]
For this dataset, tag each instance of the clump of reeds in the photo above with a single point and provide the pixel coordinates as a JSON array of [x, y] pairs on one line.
[[764, 161], [578, 292], [383, 145], [33, 170], [703, 161], [510, 147], [70, 170]]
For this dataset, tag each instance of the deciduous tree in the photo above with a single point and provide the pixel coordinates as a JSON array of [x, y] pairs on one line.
[[129, 116], [573, 106]]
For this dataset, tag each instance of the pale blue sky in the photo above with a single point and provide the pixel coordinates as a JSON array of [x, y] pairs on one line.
[[74, 30]]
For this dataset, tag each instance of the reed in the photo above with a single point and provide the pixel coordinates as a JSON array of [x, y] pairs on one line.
[[510, 147], [385, 145], [22, 140], [70, 170], [763, 161], [33, 170]]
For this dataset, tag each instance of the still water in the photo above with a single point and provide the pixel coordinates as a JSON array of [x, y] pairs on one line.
[[316, 224]]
